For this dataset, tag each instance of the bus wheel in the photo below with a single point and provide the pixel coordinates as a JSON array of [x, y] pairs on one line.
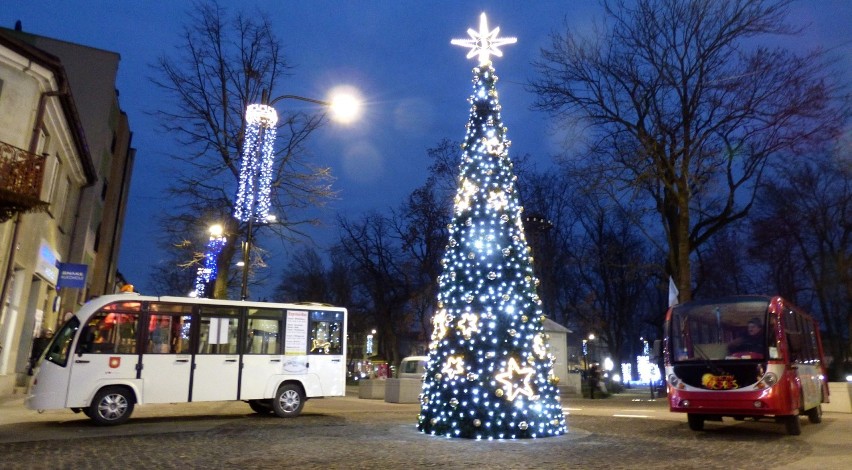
[[793, 425], [260, 406], [696, 422], [815, 414], [288, 401], [111, 405]]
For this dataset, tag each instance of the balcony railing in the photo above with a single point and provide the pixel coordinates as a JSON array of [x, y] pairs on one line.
[[21, 175]]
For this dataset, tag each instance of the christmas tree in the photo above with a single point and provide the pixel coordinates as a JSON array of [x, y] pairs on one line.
[[489, 374]]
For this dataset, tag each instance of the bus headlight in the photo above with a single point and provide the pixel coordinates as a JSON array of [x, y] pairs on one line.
[[769, 379], [673, 380]]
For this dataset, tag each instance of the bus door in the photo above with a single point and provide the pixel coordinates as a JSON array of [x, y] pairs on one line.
[[261, 352], [167, 356], [804, 357], [217, 362], [325, 351], [106, 351]]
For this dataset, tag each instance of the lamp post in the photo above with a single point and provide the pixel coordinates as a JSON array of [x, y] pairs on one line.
[[253, 194]]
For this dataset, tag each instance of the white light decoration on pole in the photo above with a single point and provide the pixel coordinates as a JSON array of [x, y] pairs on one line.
[[258, 156], [490, 369], [254, 192]]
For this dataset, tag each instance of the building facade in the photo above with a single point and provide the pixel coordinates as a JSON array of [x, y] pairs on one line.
[[59, 107]]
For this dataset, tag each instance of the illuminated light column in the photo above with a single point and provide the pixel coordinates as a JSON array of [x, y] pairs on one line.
[[207, 272], [490, 371], [252, 203], [254, 193]]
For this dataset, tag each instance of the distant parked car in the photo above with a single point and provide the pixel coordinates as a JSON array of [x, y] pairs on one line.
[[413, 367]]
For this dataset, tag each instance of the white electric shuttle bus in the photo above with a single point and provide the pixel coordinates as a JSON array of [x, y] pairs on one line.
[[121, 350]]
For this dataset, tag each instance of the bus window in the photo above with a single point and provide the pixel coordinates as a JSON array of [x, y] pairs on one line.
[[325, 333], [263, 335], [109, 333], [57, 352], [218, 335], [794, 336], [168, 334], [772, 339]]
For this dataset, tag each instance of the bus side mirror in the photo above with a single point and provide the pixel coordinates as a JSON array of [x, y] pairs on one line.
[[656, 349]]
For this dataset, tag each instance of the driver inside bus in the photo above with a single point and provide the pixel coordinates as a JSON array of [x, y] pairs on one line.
[[751, 342]]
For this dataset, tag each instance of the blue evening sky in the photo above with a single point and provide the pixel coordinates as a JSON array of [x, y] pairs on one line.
[[397, 53]]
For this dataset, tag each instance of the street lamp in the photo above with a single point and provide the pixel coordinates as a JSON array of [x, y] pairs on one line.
[[253, 194], [587, 344]]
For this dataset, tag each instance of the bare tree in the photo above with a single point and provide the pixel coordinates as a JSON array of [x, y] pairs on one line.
[[613, 273], [223, 63], [723, 266], [681, 104], [802, 234], [549, 228], [381, 278], [421, 226], [305, 279]]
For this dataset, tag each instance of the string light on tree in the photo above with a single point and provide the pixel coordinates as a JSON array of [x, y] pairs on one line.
[[207, 272], [489, 374]]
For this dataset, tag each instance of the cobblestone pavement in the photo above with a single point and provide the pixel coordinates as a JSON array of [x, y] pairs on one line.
[[352, 433]]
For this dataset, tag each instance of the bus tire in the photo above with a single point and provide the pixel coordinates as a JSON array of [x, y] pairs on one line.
[[793, 425], [111, 406], [288, 401], [263, 407], [815, 414], [696, 421]]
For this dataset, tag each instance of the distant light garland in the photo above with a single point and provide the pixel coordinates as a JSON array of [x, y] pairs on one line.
[[253, 195], [490, 370], [208, 271]]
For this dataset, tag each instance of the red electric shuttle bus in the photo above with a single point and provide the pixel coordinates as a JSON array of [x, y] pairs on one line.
[[744, 356]]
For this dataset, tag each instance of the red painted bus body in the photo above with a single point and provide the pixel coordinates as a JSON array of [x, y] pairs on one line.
[[744, 356]]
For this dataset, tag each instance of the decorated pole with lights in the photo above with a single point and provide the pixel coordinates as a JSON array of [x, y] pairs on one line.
[[490, 372], [207, 272], [253, 194]]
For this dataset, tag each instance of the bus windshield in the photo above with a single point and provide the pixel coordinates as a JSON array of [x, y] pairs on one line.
[[733, 329], [58, 350]]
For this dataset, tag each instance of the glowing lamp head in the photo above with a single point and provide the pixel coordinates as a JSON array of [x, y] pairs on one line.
[[216, 231], [345, 104]]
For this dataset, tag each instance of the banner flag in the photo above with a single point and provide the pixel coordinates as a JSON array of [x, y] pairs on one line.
[[673, 292]]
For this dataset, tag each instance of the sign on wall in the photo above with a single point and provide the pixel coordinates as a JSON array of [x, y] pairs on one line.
[[72, 275]]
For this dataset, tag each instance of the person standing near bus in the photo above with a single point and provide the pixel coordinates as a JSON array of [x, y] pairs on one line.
[[594, 380], [39, 343], [160, 336]]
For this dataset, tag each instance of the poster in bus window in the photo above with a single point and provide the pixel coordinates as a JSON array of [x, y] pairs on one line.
[[218, 331], [296, 333]]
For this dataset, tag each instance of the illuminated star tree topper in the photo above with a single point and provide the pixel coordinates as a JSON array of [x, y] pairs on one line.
[[484, 42], [490, 371]]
